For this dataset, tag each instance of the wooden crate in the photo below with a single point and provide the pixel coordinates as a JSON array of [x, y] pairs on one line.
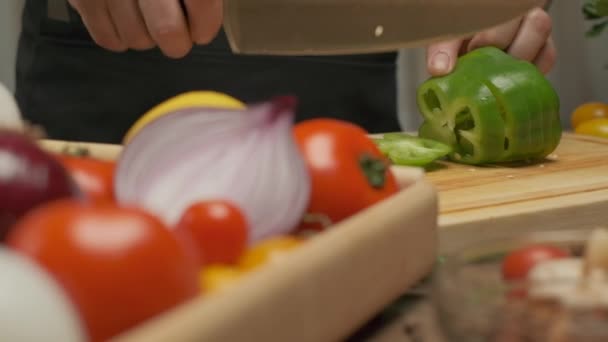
[[322, 291]]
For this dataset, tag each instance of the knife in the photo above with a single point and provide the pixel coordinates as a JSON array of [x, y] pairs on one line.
[[333, 27]]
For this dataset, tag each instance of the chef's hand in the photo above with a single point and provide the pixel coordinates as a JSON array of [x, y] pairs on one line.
[[527, 38], [118, 25]]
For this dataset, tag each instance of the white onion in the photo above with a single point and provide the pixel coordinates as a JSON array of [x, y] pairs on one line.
[[246, 156], [10, 115], [34, 307]]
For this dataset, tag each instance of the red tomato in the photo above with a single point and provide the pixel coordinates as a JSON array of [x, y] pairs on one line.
[[519, 262], [348, 171], [219, 231], [120, 266], [94, 176]]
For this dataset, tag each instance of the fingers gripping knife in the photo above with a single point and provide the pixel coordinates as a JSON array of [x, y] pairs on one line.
[[326, 27]]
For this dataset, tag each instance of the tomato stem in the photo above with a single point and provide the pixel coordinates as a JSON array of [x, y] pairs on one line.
[[374, 170]]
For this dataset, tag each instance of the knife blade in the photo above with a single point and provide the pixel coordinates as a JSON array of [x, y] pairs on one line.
[[333, 27]]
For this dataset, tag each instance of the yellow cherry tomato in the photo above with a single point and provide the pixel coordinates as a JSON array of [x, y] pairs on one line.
[[266, 250], [595, 127], [214, 278], [588, 111], [193, 98]]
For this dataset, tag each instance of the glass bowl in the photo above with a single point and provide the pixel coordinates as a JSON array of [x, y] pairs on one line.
[[474, 304]]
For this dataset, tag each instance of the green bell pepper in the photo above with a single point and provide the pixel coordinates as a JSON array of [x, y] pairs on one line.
[[405, 149], [492, 108]]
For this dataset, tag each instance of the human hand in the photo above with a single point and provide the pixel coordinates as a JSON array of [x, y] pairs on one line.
[[527, 38], [118, 25]]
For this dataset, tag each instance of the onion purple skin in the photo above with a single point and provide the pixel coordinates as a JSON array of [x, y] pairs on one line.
[[29, 177]]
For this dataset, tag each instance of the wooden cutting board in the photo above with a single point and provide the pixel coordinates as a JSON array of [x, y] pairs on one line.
[[567, 190]]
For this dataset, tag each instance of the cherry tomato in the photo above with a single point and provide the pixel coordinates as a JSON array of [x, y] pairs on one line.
[[120, 266], [588, 111], [595, 127], [93, 176], [518, 263], [266, 250], [348, 171], [218, 229]]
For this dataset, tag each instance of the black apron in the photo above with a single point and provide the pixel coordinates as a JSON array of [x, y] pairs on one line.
[[78, 91]]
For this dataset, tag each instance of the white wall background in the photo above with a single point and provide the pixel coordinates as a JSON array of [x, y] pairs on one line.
[[10, 20], [579, 75]]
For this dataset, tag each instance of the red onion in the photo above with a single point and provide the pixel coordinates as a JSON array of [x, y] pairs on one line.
[[29, 177], [248, 156]]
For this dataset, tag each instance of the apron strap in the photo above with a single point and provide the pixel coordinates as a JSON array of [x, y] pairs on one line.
[[58, 10]]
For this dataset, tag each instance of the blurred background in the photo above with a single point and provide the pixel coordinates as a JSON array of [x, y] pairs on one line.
[[581, 73]]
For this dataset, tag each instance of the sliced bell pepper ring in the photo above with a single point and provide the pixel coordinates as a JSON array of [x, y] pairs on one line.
[[492, 108], [405, 149]]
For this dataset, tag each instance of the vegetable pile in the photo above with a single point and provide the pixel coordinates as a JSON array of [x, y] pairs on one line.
[[520, 263], [548, 289], [575, 277], [204, 192], [207, 189]]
